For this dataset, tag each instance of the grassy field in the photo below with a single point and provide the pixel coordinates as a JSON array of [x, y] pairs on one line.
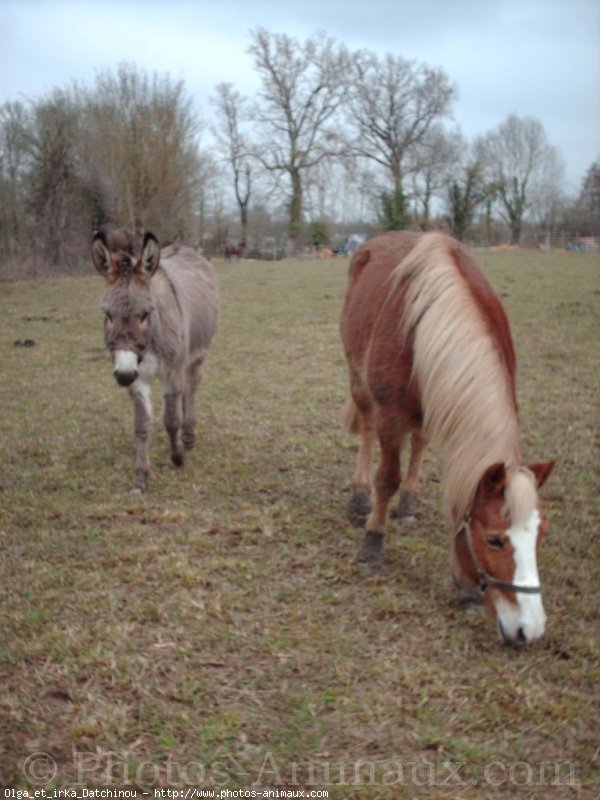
[[216, 632]]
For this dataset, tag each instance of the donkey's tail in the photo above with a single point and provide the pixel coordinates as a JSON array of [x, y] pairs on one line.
[[350, 415]]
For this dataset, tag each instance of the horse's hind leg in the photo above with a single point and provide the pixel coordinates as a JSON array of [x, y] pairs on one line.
[[387, 479], [193, 379], [406, 509], [356, 421]]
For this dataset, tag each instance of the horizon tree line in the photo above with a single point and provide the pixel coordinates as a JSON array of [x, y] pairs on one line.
[[131, 150]]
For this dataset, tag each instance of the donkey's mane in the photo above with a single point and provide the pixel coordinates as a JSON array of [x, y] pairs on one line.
[[467, 391]]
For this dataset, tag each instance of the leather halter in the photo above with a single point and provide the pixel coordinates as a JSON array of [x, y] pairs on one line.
[[485, 579]]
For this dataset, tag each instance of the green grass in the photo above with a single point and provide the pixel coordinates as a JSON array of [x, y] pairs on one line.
[[215, 631]]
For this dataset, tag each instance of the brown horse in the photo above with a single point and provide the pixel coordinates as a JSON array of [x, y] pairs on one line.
[[430, 353], [234, 250], [160, 314]]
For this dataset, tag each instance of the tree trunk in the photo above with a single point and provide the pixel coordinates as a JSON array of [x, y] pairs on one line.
[[295, 228], [515, 230], [244, 222]]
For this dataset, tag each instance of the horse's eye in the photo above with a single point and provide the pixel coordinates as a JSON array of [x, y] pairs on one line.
[[495, 542], [107, 316], [144, 317]]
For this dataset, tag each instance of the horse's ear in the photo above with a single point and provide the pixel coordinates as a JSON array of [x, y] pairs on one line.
[[150, 257], [101, 256], [493, 481], [542, 471]]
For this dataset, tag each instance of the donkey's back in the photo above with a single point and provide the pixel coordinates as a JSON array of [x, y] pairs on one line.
[[185, 286]]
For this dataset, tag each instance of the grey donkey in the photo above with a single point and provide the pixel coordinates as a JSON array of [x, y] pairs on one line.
[[160, 314]]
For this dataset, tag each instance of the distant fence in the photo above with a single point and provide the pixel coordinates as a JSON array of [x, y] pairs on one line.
[[559, 241]]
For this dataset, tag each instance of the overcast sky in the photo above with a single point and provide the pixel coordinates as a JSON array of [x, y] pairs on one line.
[[538, 58]]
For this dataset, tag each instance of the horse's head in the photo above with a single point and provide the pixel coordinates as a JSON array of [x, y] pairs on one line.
[[127, 304], [495, 550]]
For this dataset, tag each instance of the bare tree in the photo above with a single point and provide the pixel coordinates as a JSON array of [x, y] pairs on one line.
[[588, 202], [466, 186], [430, 163], [392, 106], [14, 150], [52, 171], [231, 114], [522, 165], [548, 200], [123, 152], [141, 150], [303, 86]]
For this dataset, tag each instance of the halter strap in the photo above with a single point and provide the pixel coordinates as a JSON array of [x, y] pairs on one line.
[[485, 579]]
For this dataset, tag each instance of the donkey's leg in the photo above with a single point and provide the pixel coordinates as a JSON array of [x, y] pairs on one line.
[[407, 505], [193, 379], [139, 391], [173, 418], [387, 479]]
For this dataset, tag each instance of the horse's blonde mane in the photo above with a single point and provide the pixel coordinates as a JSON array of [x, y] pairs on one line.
[[520, 496], [466, 391]]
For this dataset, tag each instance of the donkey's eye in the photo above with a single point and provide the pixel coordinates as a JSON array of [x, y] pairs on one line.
[[495, 542], [107, 317], [144, 317]]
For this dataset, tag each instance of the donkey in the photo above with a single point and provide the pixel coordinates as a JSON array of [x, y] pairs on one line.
[[160, 314]]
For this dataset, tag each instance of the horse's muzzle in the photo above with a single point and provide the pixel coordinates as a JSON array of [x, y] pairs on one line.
[[518, 640]]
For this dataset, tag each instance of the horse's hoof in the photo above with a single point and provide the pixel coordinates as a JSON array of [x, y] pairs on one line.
[[177, 459], [359, 508], [368, 569], [406, 510], [371, 558], [136, 492]]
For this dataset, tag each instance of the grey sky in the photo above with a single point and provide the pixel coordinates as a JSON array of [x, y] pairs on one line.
[[537, 58]]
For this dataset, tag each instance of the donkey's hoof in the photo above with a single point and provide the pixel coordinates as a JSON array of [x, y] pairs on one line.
[[406, 510], [359, 508], [177, 459], [371, 558], [140, 483], [188, 437]]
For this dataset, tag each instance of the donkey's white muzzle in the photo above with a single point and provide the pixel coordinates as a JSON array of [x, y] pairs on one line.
[[125, 365]]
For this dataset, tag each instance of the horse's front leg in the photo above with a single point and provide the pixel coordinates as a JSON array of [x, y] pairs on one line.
[[371, 556], [406, 511], [173, 419], [139, 391]]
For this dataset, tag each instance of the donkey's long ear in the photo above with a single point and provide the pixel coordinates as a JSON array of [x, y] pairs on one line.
[[150, 257], [101, 256]]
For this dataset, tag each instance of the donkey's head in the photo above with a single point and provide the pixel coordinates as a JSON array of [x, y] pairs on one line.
[[127, 305]]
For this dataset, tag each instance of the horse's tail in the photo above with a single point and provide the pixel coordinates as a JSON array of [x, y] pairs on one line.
[[350, 416]]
